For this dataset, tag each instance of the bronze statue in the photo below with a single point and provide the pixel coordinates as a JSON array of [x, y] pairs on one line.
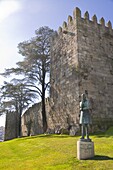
[[85, 116]]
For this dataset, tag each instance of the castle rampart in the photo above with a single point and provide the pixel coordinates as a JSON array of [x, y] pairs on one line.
[[32, 119], [11, 126]]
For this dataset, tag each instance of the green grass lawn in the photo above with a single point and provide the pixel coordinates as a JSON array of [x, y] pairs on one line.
[[55, 152]]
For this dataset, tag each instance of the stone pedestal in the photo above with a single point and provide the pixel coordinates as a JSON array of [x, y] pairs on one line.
[[85, 149]]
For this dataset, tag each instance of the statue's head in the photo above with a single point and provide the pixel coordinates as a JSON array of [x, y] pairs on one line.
[[83, 97]]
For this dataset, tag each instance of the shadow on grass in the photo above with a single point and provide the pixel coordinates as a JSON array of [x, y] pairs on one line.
[[103, 136], [54, 136], [100, 136], [101, 157], [46, 136]]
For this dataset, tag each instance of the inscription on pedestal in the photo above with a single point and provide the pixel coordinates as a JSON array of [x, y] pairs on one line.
[[85, 150]]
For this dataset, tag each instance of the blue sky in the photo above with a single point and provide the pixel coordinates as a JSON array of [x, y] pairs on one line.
[[20, 18]]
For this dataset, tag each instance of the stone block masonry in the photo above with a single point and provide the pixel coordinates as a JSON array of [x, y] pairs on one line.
[[11, 126], [82, 59], [32, 119]]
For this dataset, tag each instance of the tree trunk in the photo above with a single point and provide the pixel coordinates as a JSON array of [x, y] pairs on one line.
[[29, 124], [44, 119], [19, 124]]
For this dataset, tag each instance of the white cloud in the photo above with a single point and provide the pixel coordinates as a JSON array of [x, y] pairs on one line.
[[7, 7]]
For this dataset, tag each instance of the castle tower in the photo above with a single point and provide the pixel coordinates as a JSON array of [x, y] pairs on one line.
[[11, 126], [82, 59]]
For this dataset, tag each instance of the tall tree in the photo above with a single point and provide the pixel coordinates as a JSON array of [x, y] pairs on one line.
[[15, 97], [36, 65]]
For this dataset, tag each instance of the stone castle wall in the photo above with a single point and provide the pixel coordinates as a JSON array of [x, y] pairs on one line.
[[11, 126], [82, 59], [64, 91], [32, 119], [95, 55]]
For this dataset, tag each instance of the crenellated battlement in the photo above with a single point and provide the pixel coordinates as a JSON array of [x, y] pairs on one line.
[[82, 59], [77, 17]]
